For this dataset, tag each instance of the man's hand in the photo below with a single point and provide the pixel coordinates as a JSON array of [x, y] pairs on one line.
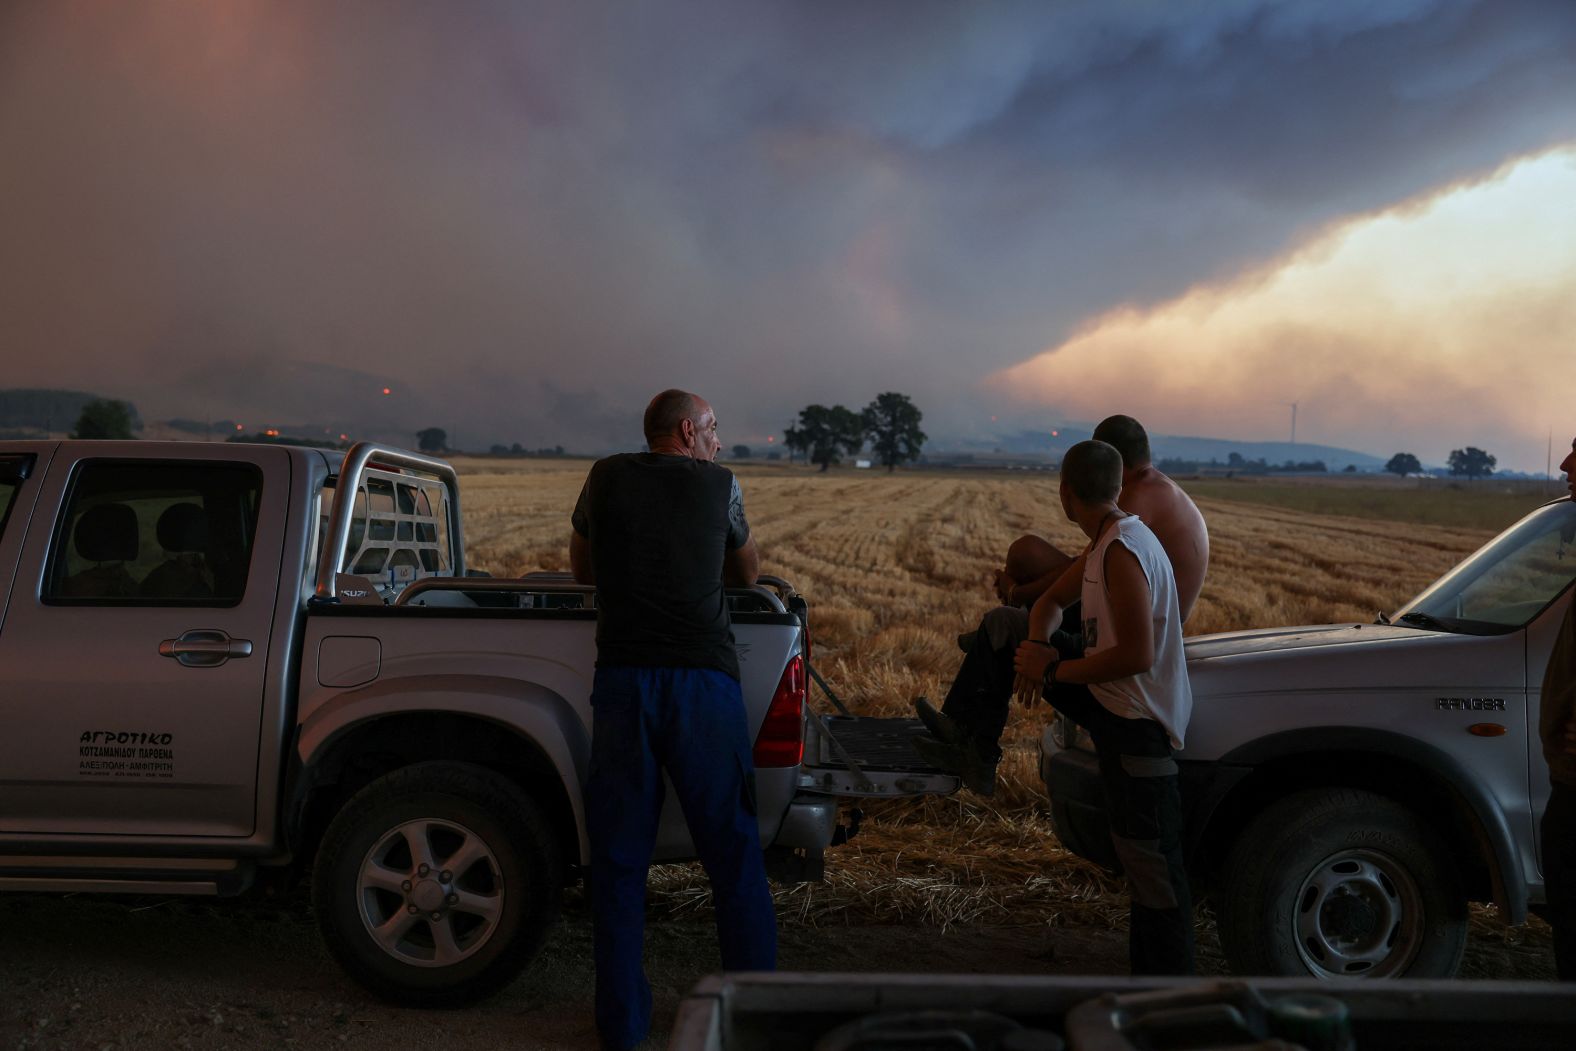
[[1568, 738], [1003, 583], [1031, 662]]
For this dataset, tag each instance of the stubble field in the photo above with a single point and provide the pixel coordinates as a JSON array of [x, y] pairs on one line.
[[894, 566]]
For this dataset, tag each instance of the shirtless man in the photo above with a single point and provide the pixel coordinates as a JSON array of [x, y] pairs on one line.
[[965, 733]]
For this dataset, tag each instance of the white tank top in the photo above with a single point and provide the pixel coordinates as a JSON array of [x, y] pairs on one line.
[[1162, 693]]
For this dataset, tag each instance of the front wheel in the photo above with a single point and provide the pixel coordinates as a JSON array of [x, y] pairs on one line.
[[1341, 883], [435, 884]]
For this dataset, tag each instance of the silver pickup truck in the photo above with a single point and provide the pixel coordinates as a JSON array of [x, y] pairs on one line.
[[1348, 788], [219, 662]]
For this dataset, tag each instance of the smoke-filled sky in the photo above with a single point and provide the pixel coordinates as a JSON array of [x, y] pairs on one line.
[[524, 218]]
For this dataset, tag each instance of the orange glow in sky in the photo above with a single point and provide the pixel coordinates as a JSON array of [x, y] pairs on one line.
[[1443, 322]]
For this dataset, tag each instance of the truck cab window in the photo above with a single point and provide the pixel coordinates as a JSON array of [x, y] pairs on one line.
[[155, 534]]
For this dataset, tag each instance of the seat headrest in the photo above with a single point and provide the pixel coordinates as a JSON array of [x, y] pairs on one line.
[[107, 533], [183, 527]]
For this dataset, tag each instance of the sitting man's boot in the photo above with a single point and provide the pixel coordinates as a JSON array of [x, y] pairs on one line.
[[938, 724], [967, 760]]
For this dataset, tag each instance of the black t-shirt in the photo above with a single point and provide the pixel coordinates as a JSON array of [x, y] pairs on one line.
[[659, 526]]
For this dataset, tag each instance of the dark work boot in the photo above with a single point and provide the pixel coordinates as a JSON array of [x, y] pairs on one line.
[[977, 771], [938, 724]]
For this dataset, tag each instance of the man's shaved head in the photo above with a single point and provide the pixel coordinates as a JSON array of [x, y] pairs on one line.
[[1092, 471], [667, 410], [1128, 437]]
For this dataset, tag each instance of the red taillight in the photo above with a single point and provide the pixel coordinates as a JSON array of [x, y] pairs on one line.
[[781, 740]]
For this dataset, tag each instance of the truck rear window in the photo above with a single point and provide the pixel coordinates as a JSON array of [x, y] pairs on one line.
[[155, 534], [13, 472]]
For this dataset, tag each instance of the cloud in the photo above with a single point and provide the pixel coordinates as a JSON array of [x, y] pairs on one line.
[[495, 203], [1442, 324]]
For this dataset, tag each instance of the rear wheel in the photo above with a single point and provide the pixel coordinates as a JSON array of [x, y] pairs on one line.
[[436, 884], [1341, 883]]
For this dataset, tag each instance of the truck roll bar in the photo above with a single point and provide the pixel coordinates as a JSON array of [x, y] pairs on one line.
[[357, 458]]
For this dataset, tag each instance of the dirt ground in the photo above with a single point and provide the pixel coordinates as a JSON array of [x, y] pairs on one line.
[[121, 973]]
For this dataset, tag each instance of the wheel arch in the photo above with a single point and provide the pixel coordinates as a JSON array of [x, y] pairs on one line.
[[362, 750], [1429, 781]]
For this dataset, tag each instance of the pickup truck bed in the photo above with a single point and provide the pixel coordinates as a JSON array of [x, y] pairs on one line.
[[844, 1012]]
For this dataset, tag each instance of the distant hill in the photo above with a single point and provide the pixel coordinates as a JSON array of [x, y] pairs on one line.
[[41, 411], [1165, 447], [1170, 446]]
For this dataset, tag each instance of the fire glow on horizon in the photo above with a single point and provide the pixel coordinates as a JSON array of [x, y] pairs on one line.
[[1455, 307]]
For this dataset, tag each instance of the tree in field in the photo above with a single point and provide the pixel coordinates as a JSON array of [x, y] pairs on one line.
[[1472, 462], [741, 452], [892, 425], [104, 418], [1404, 464], [432, 440], [828, 433]]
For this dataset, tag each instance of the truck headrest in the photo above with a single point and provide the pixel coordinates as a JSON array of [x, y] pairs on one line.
[[107, 533], [183, 527]]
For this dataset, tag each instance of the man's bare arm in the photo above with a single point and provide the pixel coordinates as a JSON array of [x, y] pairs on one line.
[[1134, 652], [1045, 616], [580, 559], [742, 565]]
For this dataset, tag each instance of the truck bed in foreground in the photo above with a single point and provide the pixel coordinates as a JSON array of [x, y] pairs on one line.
[[841, 1012]]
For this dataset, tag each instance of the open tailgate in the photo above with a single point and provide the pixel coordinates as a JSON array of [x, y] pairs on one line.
[[849, 755]]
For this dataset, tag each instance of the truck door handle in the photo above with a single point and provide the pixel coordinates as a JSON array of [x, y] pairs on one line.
[[205, 648]]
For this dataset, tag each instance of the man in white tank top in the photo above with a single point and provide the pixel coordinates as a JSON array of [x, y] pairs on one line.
[[965, 731], [1129, 688]]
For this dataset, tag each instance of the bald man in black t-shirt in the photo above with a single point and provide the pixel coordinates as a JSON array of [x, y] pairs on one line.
[[660, 534]]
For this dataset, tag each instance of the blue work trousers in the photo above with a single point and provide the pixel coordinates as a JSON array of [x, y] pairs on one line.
[[689, 723]]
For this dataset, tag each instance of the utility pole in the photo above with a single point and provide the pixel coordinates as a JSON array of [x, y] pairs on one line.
[[1294, 423]]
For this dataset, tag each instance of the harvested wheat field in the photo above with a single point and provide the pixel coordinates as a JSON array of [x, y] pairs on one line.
[[894, 566]]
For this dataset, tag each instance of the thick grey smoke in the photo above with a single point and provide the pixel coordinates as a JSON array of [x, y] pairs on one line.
[[525, 218]]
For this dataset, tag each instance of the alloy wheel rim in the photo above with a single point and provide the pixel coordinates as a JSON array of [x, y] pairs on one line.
[[430, 892]]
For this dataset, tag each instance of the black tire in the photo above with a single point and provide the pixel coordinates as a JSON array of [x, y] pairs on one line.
[[447, 938], [1341, 883]]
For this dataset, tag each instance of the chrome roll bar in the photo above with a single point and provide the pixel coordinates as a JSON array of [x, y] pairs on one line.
[[357, 458]]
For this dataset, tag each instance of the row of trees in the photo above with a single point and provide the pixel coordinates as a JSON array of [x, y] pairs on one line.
[[1238, 462], [823, 435], [890, 424], [1470, 462]]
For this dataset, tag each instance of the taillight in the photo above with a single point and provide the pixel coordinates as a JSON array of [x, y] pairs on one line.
[[781, 740]]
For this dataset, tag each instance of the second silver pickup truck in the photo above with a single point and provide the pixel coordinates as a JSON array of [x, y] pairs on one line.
[[221, 661], [1349, 788]]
